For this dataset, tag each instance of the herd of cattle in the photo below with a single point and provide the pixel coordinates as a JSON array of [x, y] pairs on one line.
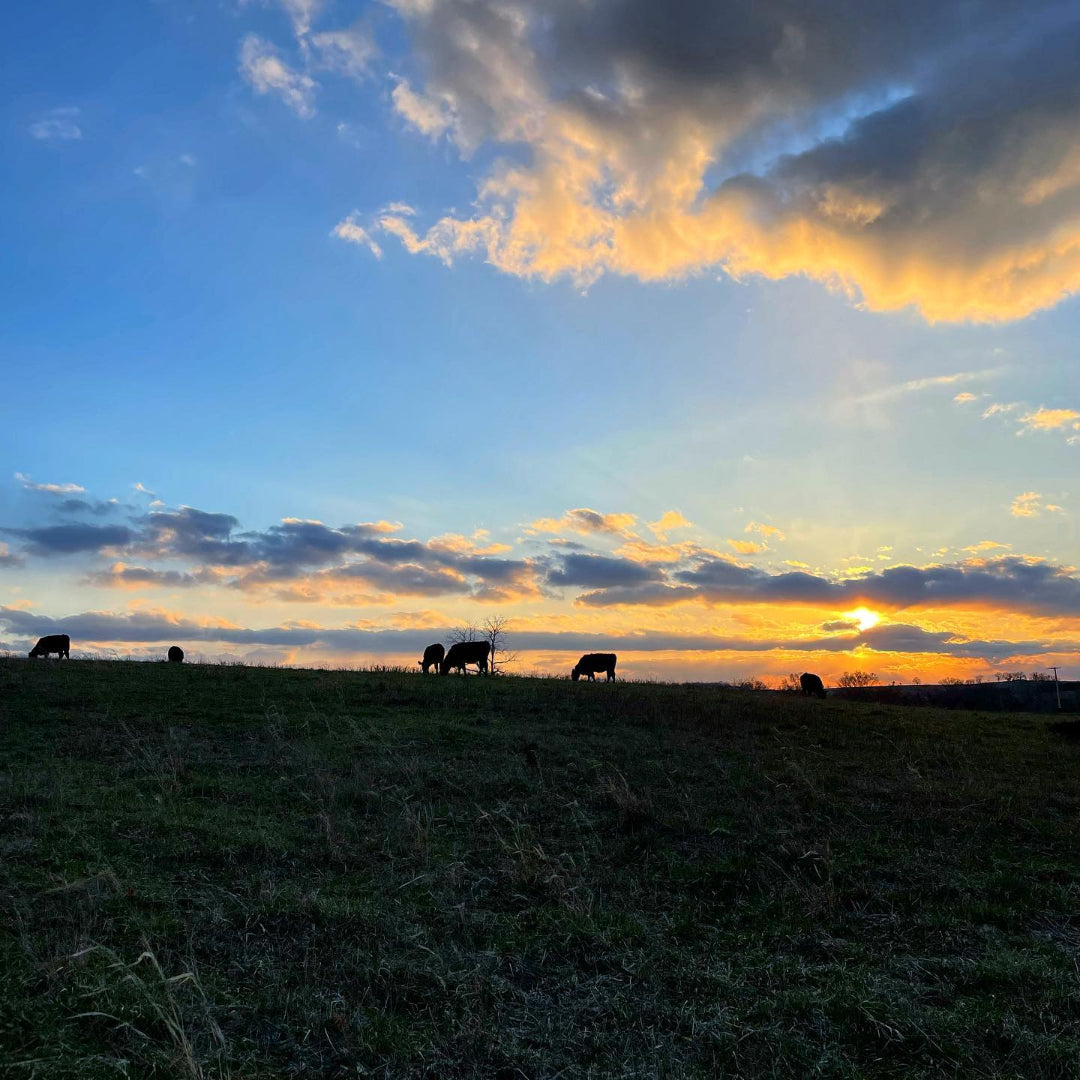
[[436, 658]]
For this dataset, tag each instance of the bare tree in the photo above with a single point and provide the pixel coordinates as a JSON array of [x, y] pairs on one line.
[[465, 632], [494, 629], [857, 678]]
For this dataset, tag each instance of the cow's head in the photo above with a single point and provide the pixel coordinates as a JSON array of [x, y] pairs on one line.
[[575, 674]]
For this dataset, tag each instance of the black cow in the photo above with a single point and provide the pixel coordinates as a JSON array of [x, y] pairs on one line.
[[593, 662], [53, 643], [466, 652], [176, 654], [811, 684], [433, 657]]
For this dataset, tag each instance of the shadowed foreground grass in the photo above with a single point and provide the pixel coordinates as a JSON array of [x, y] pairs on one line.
[[227, 871]]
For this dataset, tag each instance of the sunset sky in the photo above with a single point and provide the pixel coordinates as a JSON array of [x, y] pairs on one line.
[[737, 338]]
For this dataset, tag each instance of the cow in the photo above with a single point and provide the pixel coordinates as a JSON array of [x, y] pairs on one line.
[[53, 643], [176, 654], [811, 684], [593, 662], [466, 652], [433, 657]]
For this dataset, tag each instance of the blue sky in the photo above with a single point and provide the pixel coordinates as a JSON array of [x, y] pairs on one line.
[[180, 312]]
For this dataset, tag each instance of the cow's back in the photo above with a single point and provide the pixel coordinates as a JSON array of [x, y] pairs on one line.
[[52, 643]]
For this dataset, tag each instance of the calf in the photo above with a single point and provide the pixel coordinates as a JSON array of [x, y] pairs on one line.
[[53, 643], [433, 657], [466, 652], [176, 654], [593, 662], [811, 684]]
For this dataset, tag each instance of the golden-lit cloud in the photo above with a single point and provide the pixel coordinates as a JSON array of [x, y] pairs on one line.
[[748, 547], [669, 521], [1051, 419], [770, 532], [1030, 504], [647, 143], [585, 521]]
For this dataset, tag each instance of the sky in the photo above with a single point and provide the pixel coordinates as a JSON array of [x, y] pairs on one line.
[[740, 339]]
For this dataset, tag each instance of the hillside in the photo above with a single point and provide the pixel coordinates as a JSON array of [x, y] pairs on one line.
[[227, 871]]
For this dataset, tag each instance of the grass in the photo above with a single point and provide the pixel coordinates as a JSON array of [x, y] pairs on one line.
[[242, 872]]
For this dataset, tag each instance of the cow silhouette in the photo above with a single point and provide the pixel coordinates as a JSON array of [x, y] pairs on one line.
[[811, 684], [53, 643], [433, 657], [176, 654], [466, 652], [593, 662]]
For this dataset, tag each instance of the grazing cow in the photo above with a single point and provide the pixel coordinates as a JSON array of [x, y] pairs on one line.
[[176, 654], [811, 684], [466, 652], [53, 643], [433, 657], [593, 662]]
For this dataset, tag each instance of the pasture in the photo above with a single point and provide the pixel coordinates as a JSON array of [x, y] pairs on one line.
[[213, 871]]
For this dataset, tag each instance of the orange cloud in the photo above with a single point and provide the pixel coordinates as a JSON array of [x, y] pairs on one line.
[[586, 521], [748, 547], [668, 522], [1030, 504], [768, 531], [1051, 419]]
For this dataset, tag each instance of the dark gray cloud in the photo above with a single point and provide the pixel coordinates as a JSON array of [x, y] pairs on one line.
[[95, 629], [599, 572], [120, 576], [72, 539], [291, 551], [98, 507], [1011, 582]]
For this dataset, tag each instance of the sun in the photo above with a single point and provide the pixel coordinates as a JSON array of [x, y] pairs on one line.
[[864, 616]]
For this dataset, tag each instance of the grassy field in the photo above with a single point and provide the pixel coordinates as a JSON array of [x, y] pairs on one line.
[[229, 871]]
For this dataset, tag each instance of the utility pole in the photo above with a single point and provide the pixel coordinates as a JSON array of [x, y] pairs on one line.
[[1057, 686]]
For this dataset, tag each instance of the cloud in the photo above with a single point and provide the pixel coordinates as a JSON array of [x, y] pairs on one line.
[[348, 229], [963, 398], [599, 572], [985, 545], [748, 547], [261, 64], [1042, 419], [430, 116], [770, 532], [51, 489], [586, 522], [346, 52], [72, 539], [922, 155], [57, 124], [302, 13], [1030, 504], [669, 521], [913, 386], [122, 576], [8, 558], [98, 628], [1011, 582], [1035, 420]]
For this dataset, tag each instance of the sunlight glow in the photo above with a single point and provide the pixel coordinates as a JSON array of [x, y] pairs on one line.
[[865, 617]]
